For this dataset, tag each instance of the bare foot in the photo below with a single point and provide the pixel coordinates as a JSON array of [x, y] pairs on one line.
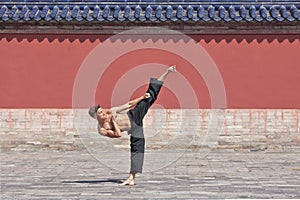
[[129, 182], [172, 68]]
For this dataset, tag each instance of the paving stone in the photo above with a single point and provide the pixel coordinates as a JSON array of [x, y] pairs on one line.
[[79, 175]]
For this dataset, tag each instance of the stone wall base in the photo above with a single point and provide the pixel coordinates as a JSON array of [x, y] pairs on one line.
[[274, 130]]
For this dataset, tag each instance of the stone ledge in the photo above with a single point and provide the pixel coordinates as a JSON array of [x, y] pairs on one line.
[[230, 130]]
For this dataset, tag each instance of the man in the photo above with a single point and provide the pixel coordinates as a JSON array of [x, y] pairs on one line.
[[129, 117]]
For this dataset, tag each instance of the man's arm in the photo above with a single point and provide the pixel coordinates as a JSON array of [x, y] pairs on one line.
[[130, 104], [114, 132]]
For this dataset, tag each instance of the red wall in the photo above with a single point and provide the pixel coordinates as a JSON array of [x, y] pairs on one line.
[[258, 71]]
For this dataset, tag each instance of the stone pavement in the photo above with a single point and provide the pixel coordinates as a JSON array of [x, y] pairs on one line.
[[80, 175]]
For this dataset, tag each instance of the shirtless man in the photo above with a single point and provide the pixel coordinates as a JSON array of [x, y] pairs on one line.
[[129, 117], [114, 121]]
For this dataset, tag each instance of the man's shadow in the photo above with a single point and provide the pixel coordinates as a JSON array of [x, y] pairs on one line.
[[97, 181]]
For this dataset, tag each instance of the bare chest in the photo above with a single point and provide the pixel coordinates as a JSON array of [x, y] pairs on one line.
[[123, 121]]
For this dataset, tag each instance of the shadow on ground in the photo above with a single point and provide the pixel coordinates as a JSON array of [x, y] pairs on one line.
[[96, 181]]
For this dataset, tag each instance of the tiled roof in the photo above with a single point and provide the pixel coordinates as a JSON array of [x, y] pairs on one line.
[[150, 11]]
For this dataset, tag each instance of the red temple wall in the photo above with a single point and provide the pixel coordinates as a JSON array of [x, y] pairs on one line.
[[258, 71]]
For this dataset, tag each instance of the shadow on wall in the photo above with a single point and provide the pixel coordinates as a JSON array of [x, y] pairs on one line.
[[198, 38]]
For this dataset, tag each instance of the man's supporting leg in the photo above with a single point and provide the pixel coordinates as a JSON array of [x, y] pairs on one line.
[[137, 146]]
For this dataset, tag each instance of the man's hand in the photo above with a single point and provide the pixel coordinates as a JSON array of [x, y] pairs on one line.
[[147, 95]]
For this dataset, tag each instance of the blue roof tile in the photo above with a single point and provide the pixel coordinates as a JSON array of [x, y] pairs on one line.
[[150, 10]]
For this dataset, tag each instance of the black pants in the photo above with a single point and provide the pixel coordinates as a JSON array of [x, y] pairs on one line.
[[136, 116]]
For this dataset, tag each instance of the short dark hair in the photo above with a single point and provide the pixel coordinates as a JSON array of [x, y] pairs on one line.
[[93, 110]]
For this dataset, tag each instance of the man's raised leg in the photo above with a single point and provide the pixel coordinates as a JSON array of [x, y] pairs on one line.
[[169, 70]]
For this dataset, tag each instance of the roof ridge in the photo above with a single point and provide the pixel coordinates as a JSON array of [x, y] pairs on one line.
[[150, 12]]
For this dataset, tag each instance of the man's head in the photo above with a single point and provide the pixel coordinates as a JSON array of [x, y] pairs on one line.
[[93, 111]]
